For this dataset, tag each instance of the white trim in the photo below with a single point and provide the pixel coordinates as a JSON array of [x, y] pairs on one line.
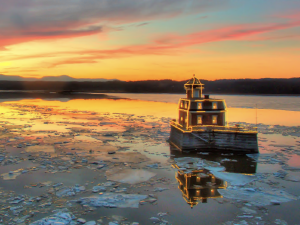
[[216, 111]]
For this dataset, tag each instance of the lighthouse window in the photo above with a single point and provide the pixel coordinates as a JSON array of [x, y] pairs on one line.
[[214, 119], [199, 119], [181, 104], [199, 105], [215, 106], [186, 105]]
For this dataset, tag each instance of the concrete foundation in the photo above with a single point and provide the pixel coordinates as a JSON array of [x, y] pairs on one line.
[[214, 140]]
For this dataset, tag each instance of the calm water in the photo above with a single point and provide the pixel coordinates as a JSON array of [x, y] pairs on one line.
[[290, 103], [139, 124]]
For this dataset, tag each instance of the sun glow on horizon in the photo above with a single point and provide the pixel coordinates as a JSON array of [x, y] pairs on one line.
[[150, 43]]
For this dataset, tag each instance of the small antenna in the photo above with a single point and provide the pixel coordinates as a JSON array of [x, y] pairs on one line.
[[256, 114]]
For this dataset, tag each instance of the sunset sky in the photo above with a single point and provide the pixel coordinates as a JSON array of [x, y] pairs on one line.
[[150, 39]]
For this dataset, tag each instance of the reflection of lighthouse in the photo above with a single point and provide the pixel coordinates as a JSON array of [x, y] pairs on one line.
[[233, 163], [199, 185]]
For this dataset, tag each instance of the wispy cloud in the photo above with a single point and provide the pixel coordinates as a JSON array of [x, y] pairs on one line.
[[23, 21], [142, 24], [236, 32], [166, 44]]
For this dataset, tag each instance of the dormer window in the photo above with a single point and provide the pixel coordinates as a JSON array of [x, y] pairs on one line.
[[214, 105], [199, 105], [186, 105], [214, 119]]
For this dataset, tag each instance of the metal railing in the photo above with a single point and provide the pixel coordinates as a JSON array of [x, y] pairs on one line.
[[212, 128]]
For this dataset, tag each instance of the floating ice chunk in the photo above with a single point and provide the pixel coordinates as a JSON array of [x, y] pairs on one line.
[[130, 176], [275, 202], [109, 183], [247, 210], [65, 192], [159, 189], [155, 219], [113, 223], [57, 185], [62, 218], [245, 216], [292, 178], [250, 189], [81, 220], [40, 148], [98, 189], [190, 164], [112, 200], [233, 178], [90, 223], [155, 165], [280, 174], [11, 175], [258, 197], [280, 222]]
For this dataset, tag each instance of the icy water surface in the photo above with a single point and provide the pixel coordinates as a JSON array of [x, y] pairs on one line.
[[107, 161]]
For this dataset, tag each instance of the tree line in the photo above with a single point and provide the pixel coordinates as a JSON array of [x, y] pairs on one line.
[[226, 86]]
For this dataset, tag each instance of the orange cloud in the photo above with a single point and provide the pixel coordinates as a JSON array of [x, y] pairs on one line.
[[168, 44]]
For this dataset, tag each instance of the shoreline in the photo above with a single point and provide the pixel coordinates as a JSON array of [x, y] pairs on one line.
[[104, 94]]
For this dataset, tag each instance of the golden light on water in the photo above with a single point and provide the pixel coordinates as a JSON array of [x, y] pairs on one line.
[[168, 110]]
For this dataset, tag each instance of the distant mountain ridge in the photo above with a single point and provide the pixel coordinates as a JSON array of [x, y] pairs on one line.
[[64, 78], [66, 84]]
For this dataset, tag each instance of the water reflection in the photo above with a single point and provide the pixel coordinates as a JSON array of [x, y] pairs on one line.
[[198, 184], [233, 163], [161, 109]]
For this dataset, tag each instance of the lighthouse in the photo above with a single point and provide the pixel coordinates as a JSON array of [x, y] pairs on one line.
[[201, 124]]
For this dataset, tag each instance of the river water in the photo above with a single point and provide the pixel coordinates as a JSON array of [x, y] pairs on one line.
[[51, 139]]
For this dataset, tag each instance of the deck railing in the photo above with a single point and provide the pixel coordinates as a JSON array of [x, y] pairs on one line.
[[211, 128]]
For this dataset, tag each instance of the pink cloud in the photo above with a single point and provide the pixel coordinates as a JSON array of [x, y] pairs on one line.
[[168, 44], [236, 32], [23, 21]]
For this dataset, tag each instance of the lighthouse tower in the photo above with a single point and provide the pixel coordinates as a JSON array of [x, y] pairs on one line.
[[196, 110]]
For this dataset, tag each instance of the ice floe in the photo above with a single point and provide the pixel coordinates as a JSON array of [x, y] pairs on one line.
[[112, 200], [130, 176]]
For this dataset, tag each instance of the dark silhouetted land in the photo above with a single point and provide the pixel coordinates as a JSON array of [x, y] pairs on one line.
[[240, 86]]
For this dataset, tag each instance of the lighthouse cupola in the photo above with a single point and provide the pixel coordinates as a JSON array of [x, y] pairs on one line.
[[194, 88]]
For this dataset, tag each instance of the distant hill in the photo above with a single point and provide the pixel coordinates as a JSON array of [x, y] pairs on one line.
[[66, 84], [62, 78]]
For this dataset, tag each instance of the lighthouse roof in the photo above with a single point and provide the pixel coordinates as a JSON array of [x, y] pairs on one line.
[[193, 81]]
